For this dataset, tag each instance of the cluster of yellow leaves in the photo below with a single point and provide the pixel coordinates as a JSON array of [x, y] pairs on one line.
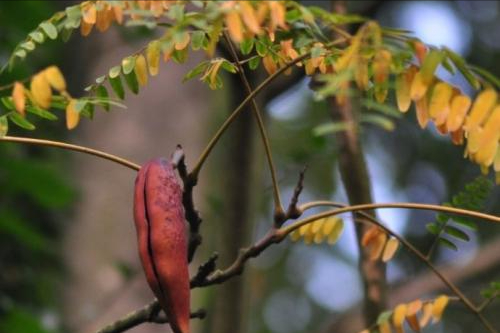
[[40, 94], [286, 54], [245, 19], [454, 113], [411, 312], [379, 245], [327, 229], [102, 14]]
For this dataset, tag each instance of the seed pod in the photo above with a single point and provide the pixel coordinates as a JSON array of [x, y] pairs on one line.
[[161, 236]]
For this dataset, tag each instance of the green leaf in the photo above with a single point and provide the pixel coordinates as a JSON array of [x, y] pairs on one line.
[[379, 120], [29, 45], [176, 12], [4, 126], [384, 316], [254, 63], [197, 40], [431, 62], [41, 112], [116, 84], [17, 320], [197, 70], [465, 222], [261, 48], [66, 34], [114, 72], [460, 64], [383, 108], [49, 29], [128, 64], [25, 234], [457, 233], [180, 56], [132, 83], [100, 79], [17, 119], [433, 228], [80, 104], [246, 46], [37, 36], [21, 53], [448, 244], [102, 92], [330, 128], [229, 66], [487, 75]]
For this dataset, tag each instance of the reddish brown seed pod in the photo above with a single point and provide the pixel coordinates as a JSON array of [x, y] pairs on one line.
[[161, 237]]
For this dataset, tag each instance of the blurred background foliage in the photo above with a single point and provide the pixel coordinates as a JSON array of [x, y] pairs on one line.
[[289, 288]]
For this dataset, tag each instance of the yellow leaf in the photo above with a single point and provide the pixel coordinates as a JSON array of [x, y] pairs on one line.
[[213, 74], [414, 307], [418, 87], [40, 90], [403, 85], [318, 238], [250, 17], [381, 92], [473, 140], [426, 314], [384, 327], [295, 235], [460, 104], [439, 104], [398, 317], [153, 56], [303, 230], [488, 140], [309, 67], [278, 13], [336, 232], [481, 108], [55, 78], [183, 42], [269, 64], [89, 14], [234, 26], [361, 74], [308, 237], [413, 322], [422, 110], [390, 249], [19, 98], [140, 69], [328, 226], [72, 116], [496, 163], [316, 225], [438, 307]]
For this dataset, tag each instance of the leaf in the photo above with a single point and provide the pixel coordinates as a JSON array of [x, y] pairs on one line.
[[448, 243], [4, 126], [226, 65], [20, 53], [55, 78], [398, 317], [418, 87], [29, 45], [19, 97], [246, 46], [438, 307], [431, 62], [40, 90], [37, 36], [439, 102], [384, 317], [153, 57], [336, 231], [114, 72], [20, 121], [234, 26], [72, 115], [433, 228], [197, 70], [482, 106], [330, 128], [116, 84], [197, 40], [49, 29], [383, 108], [41, 113], [254, 63], [460, 105], [128, 64], [131, 80], [102, 93], [426, 314], [460, 64], [141, 70], [487, 75], [381, 121], [457, 233], [390, 249]]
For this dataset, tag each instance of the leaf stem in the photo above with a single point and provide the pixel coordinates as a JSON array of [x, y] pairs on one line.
[[67, 146]]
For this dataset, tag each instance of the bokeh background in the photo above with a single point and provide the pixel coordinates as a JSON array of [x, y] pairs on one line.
[[68, 259]]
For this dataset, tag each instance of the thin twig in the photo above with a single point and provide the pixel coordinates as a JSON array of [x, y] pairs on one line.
[[293, 211], [279, 214], [67, 146], [148, 314], [487, 302]]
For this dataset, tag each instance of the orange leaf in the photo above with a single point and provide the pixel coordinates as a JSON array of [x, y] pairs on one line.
[[118, 14], [422, 112], [381, 65], [420, 51], [103, 20], [250, 17], [457, 137], [234, 26], [19, 98], [398, 317], [370, 235], [72, 116], [183, 43], [377, 246], [85, 28], [269, 64], [89, 14]]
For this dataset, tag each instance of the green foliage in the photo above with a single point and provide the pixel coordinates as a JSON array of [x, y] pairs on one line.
[[472, 197]]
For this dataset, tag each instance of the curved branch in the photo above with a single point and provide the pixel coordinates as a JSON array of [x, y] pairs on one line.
[[67, 146]]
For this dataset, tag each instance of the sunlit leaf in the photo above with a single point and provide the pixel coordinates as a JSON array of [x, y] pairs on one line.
[[49, 29], [153, 57], [55, 78], [398, 317], [438, 307], [72, 115], [128, 64], [439, 105], [481, 108], [460, 105], [40, 90], [19, 97], [234, 26], [20, 121], [141, 70], [390, 249]]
